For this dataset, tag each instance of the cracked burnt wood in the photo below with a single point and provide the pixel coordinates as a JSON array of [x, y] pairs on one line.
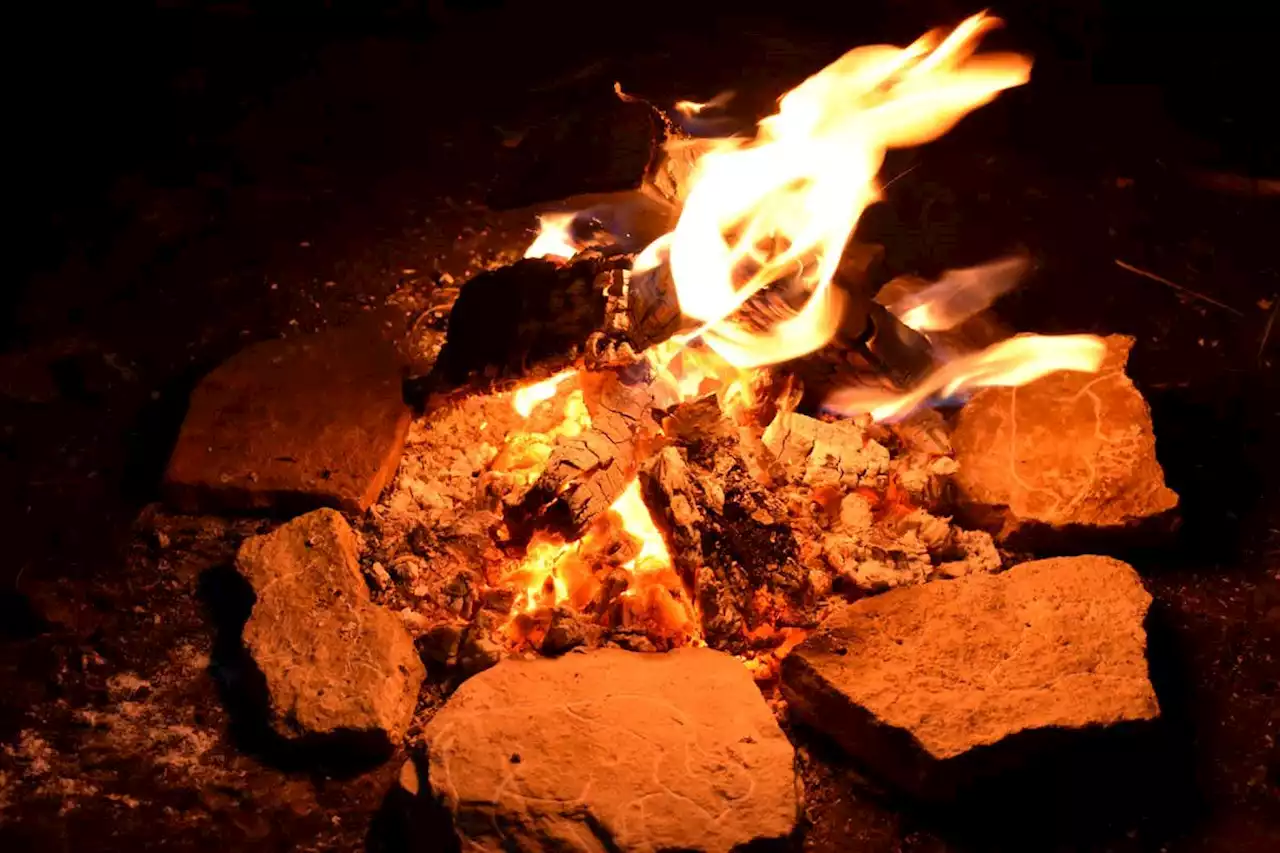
[[728, 536], [587, 472], [943, 684], [529, 318], [613, 751], [1065, 463]]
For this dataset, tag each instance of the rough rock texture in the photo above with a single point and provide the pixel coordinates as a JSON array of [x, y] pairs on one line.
[[917, 681], [336, 664], [1046, 465], [312, 421], [613, 750]]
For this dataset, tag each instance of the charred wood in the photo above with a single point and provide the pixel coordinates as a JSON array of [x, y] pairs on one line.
[[728, 536], [587, 472]]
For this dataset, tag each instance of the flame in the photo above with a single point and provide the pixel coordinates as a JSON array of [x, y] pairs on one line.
[[637, 521], [693, 108], [780, 207], [1011, 362], [525, 399], [555, 237], [959, 294]]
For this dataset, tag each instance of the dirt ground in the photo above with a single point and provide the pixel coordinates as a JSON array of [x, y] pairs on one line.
[[249, 176]]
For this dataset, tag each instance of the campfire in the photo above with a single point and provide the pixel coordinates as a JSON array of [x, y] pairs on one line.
[[691, 445], [666, 486]]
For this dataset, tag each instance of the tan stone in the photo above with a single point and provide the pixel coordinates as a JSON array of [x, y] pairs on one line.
[[312, 421], [335, 663], [613, 751], [1069, 455], [916, 680]]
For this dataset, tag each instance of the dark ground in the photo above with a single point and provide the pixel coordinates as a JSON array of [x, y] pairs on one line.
[[188, 181]]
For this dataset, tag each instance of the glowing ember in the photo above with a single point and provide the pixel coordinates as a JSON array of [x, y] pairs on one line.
[[1012, 362], [781, 207], [555, 237], [525, 399]]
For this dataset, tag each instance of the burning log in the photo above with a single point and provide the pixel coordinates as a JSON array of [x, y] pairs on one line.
[[536, 317], [729, 537], [509, 323], [587, 472]]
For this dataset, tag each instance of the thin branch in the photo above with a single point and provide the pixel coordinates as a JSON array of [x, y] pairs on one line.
[[1188, 291], [1266, 330]]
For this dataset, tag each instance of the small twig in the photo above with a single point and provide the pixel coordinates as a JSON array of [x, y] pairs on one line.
[[1188, 291], [902, 174], [1266, 330]]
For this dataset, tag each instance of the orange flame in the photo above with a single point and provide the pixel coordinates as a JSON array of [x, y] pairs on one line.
[[959, 294], [555, 238], [525, 400], [1011, 362], [781, 207]]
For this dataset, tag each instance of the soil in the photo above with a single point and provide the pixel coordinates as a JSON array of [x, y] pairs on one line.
[[245, 176]]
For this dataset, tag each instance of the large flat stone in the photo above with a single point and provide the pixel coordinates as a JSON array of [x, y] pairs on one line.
[[613, 751], [312, 421], [1065, 463], [337, 666], [933, 685]]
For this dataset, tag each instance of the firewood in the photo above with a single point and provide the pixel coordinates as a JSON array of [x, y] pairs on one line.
[[728, 536], [507, 322], [587, 472]]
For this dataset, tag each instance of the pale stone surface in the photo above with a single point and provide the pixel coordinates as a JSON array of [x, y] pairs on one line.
[[1062, 457], [613, 751], [335, 663], [919, 676], [317, 420]]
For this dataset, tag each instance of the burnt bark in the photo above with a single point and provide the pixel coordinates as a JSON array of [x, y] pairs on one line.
[[510, 323], [728, 536], [587, 472]]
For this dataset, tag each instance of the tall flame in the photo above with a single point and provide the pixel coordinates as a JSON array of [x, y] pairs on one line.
[[780, 207]]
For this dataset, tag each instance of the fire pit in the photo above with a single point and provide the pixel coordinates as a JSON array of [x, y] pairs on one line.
[[606, 542], [726, 441]]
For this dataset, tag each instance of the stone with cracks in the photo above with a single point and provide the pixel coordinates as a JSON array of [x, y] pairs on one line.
[[613, 751], [935, 685], [1064, 463], [337, 666], [312, 421]]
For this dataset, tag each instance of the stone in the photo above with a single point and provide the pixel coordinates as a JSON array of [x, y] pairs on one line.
[[337, 666], [936, 685], [613, 751], [317, 420], [1065, 463]]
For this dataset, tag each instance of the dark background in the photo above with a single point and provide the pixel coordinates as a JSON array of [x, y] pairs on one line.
[[186, 178]]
